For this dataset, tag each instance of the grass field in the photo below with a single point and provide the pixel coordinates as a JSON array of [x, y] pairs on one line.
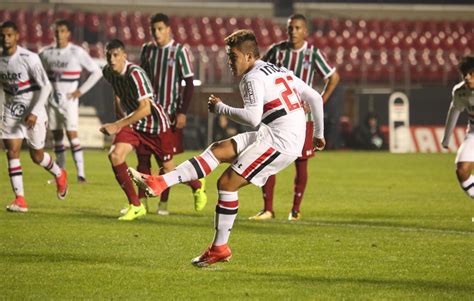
[[375, 226]]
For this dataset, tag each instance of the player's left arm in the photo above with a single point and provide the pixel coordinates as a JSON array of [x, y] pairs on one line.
[[143, 110], [315, 101], [451, 120], [37, 72], [186, 71], [95, 73]]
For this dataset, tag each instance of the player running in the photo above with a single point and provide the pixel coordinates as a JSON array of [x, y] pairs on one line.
[[271, 97], [463, 99], [64, 63], [26, 89]]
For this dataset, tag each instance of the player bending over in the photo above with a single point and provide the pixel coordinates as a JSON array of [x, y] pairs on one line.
[[271, 98], [463, 99]]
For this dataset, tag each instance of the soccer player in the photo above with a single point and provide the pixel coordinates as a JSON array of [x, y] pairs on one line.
[[26, 89], [168, 64], [271, 97], [64, 63], [145, 123], [463, 99], [304, 60]]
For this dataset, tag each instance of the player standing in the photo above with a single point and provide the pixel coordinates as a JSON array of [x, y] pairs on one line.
[[145, 122], [271, 97], [305, 61], [167, 64], [64, 63], [463, 99], [26, 89]]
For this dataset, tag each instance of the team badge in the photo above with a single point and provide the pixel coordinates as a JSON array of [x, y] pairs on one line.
[[18, 109]]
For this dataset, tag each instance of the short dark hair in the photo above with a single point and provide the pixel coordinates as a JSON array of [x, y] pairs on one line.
[[466, 64], [297, 17], [244, 40], [114, 44], [63, 22], [159, 17], [9, 24]]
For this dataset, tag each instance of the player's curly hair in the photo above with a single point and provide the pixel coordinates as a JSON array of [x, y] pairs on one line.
[[466, 64], [245, 41]]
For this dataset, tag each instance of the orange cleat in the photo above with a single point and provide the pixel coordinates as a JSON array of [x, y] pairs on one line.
[[212, 255], [61, 185], [18, 205], [153, 185]]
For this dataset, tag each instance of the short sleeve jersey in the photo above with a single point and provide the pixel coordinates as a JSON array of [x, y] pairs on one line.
[[64, 67], [21, 77], [276, 91], [166, 67], [132, 87]]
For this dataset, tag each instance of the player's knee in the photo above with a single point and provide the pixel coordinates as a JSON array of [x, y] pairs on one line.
[[115, 158], [463, 171], [36, 157]]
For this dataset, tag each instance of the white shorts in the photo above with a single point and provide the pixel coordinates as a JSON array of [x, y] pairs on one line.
[[257, 160], [65, 116], [13, 128], [466, 151]]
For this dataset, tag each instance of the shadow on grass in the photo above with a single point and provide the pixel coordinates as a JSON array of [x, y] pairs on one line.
[[414, 284], [23, 257]]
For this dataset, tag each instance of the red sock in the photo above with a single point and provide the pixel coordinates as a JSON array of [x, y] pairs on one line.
[[124, 181], [267, 190], [195, 184], [301, 178], [144, 166]]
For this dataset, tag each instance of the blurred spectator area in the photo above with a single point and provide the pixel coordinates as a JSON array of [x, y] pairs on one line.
[[365, 51]]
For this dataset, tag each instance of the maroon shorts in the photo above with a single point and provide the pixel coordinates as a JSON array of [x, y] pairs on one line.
[[178, 147], [308, 151], [160, 145]]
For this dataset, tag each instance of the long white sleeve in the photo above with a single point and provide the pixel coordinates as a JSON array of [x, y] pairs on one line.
[[249, 115], [37, 72], [91, 81], [315, 101], [451, 120]]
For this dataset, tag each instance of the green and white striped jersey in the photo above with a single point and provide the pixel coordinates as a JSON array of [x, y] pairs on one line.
[[133, 86], [167, 66], [304, 62]]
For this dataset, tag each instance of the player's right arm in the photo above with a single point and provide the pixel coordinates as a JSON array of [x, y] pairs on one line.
[[451, 119], [37, 72]]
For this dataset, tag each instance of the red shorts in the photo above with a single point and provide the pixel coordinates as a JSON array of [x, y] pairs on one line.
[[308, 151], [160, 145], [178, 147]]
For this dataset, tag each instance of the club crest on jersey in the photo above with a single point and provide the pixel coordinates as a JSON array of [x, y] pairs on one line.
[[170, 62], [18, 109], [306, 64]]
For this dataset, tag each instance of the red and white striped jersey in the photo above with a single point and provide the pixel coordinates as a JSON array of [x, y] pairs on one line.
[[272, 98], [21, 78], [463, 99], [133, 86], [166, 67], [64, 67]]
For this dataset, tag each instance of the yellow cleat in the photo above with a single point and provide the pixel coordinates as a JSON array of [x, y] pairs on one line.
[[200, 196], [133, 212], [263, 215], [294, 216]]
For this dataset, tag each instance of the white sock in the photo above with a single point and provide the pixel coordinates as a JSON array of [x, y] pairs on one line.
[[468, 186], [78, 156], [226, 212], [59, 152], [16, 176], [50, 165], [192, 169]]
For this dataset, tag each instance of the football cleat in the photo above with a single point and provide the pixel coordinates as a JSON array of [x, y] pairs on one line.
[[263, 215], [153, 185], [200, 196], [18, 205], [133, 212], [212, 255], [294, 215], [61, 185], [163, 208], [81, 180]]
